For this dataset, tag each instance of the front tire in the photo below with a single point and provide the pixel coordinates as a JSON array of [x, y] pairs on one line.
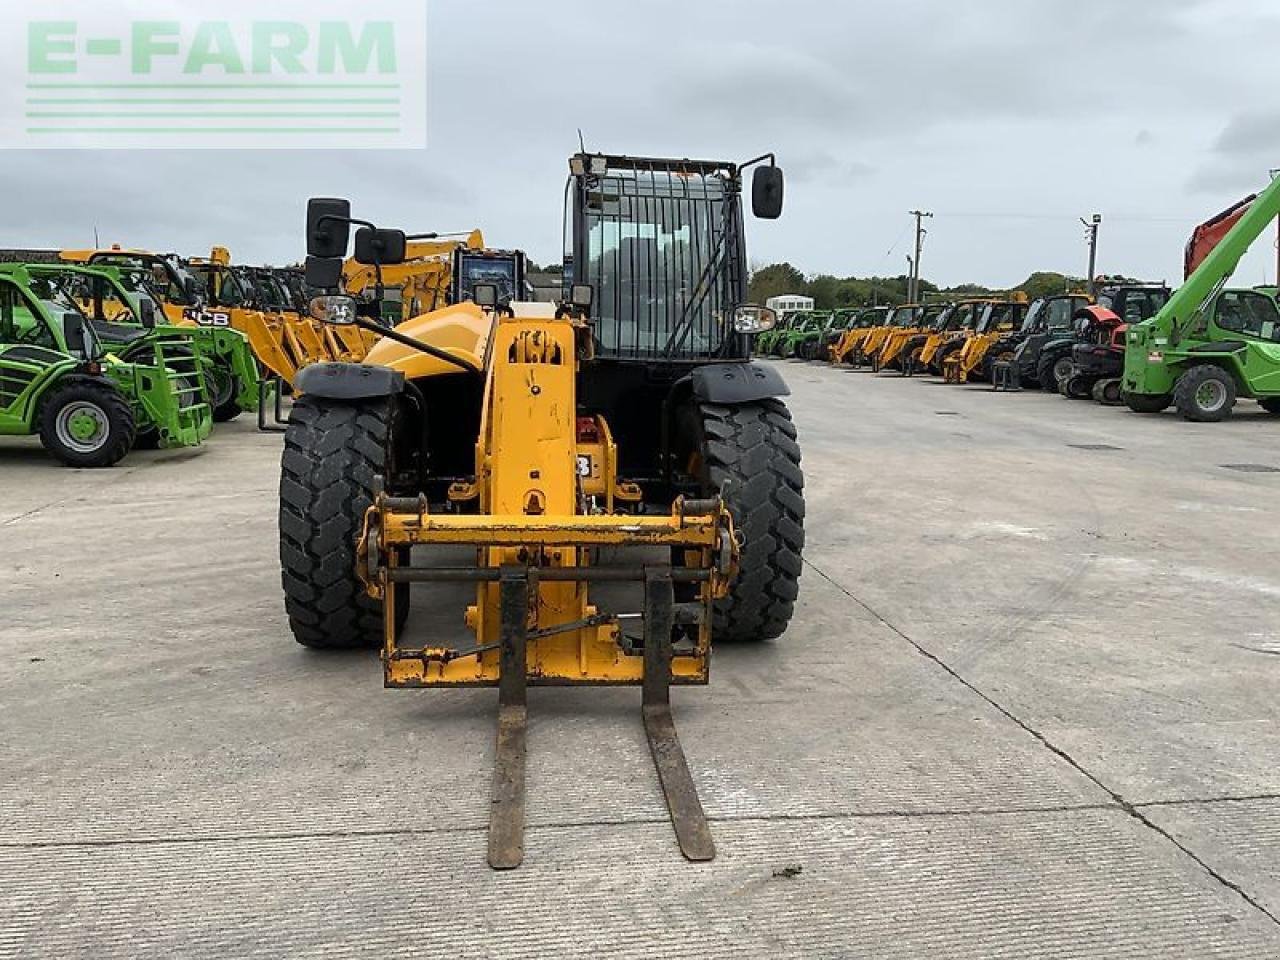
[[750, 452], [1270, 404], [1205, 394], [87, 424], [1147, 402], [332, 453], [224, 391], [1051, 370], [1107, 392]]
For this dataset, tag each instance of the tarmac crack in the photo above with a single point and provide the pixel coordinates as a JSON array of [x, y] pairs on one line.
[[567, 825], [1118, 800], [34, 511]]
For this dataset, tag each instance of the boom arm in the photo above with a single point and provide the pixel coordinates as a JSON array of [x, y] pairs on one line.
[[1219, 264]]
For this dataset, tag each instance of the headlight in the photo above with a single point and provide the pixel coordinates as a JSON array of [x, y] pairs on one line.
[[339, 311], [751, 319]]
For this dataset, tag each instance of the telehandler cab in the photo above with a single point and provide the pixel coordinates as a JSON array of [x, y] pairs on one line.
[[629, 416], [842, 320], [1207, 346], [420, 284], [848, 349], [908, 348], [891, 353], [998, 319], [1048, 318], [902, 317], [960, 325]]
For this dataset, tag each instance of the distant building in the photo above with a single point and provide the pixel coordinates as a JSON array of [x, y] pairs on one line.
[[788, 303]]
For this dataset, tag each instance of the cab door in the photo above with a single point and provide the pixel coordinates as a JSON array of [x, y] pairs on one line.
[[28, 350]]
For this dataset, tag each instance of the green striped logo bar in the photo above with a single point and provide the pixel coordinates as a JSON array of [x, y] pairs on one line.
[[235, 75]]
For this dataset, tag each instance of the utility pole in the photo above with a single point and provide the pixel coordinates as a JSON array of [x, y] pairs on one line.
[[1091, 233], [913, 289], [911, 279]]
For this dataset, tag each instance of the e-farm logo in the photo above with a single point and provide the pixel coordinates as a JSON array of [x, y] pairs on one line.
[[239, 74]]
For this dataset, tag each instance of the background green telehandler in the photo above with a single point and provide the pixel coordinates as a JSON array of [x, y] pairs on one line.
[[1208, 346], [118, 306], [87, 406]]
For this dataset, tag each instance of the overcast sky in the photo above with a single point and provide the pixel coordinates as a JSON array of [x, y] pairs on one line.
[[1007, 118]]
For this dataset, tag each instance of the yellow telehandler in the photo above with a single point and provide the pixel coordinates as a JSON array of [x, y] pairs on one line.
[[942, 340], [848, 349], [906, 321], [997, 319], [618, 437], [902, 350], [899, 318], [419, 285]]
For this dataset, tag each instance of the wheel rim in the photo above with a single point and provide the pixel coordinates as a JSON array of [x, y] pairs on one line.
[[1211, 395], [1061, 368], [82, 426]]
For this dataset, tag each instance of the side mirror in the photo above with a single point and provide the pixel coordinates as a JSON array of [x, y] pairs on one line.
[[73, 333], [338, 311], [485, 294], [751, 319], [323, 273], [147, 313], [582, 295], [383, 247], [766, 192], [328, 227]]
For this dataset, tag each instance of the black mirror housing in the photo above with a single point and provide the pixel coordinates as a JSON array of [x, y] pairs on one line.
[[147, 314], [766, 192], [582, 295], [383, 247], [328, 227], [323, 273]]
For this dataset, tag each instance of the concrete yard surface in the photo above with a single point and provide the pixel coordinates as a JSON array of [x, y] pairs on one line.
[[1027, 708]]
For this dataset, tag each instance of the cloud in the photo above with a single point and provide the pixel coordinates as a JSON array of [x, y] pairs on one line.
[[1247, 147], [824, 168], [1040, 108]]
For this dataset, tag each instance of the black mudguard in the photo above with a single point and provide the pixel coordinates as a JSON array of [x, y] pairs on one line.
[[348, 381], [731, 383]]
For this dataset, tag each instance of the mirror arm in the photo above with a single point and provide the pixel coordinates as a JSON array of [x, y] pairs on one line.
[[415, 344], [773, 161]]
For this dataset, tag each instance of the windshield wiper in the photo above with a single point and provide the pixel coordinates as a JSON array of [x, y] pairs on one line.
[[701, 290]]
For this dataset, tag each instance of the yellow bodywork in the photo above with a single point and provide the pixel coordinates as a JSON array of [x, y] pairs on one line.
[[544, 497], [957, 367], [970, 310], [903, 322], [284, 341], [462, 329], [423, 279], [850, 347]]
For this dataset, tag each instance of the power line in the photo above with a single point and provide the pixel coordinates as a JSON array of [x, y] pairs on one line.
[[1131, 218]]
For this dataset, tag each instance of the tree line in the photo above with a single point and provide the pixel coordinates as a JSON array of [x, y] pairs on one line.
[[829, 292]]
